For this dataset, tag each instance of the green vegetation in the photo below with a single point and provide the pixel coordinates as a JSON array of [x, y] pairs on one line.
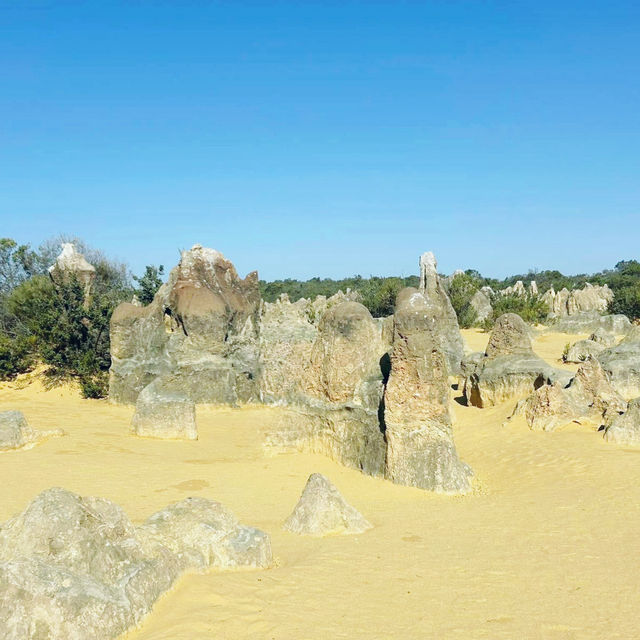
[[53, 324]]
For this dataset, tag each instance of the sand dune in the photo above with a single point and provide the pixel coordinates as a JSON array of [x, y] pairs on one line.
[[545, 546]]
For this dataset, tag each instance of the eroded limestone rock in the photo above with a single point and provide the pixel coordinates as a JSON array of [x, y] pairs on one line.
[[323, 511], [420, 447], [15, 432], [581, 350], [201, 328], [439, 309], [622, 363], [163, 410], [589, 396], [510, 368], [334, 407], [74, 568], [590, 321], [481, 304], [588, 299], [625, 427]]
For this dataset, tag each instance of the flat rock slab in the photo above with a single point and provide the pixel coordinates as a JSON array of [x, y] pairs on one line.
[[166, 414], [323, 511]]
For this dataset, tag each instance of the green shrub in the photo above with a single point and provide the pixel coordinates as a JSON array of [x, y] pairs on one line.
[[530, 308], [95, 386], [462, 288], [16, 356]]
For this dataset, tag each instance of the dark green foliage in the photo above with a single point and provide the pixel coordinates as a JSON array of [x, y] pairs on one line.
[[530, 309], [377, 293], [462, 288], [149, 283], [52, 323], [16, 355]]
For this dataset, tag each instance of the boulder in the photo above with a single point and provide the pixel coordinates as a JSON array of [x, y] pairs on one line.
[[510, 368], [625, 427], [622, 363], [74, 568], [72, 264], [334, 407], [588, 299], [438, 307], [588, 396], [164, 411], [323, 511], [481, 304], [581, 350], [201, 328], [420, 447], [15, 432]]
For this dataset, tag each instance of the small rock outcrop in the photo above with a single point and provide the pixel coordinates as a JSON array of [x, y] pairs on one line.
[[420, 447], [323, 511], [481, 304], [589, 396], [597, 342], [163, 411], [441, 313], [15, 432], [510, 368], [201, 329], [74, 568], [568, 303], [624, 428], [622, 363], [72, 264]]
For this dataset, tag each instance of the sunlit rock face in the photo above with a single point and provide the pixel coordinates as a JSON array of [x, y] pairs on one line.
[[569, 303], [510, 368], [439, 309], [334, 397], [589, 396], [622, 364], [420, 447], [76, 568], [624, 428], [201, 328], [322, 511], [72, 264]]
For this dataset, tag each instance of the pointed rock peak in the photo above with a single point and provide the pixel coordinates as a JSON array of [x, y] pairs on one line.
[[428, 271], [71, 260], [323, 511]]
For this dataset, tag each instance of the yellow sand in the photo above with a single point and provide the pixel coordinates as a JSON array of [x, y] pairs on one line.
[[547, 546]]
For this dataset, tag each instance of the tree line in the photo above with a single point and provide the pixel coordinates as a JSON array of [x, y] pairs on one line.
[[42, 322]]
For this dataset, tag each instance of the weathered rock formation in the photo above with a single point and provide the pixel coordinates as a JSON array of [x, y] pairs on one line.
[[74, 568], [335, 392], [164, 411], [622, 363], [72, 264], [323, 511], [590, 321], [624, 428], [589, 396], [201, 329], [420, 447], [15, 432], [510, 368], [481, 303], [597, 342], [568, 303], [439, 309]]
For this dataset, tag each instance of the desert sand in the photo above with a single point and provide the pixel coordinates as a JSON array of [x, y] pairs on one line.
[[544, 547]]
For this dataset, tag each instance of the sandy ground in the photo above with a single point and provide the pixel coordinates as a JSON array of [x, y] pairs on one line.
[[546, 546]]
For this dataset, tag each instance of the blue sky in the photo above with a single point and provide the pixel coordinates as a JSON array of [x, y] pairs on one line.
[[325, 139]]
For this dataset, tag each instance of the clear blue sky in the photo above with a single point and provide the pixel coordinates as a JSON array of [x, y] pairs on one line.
[[327, 139]]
